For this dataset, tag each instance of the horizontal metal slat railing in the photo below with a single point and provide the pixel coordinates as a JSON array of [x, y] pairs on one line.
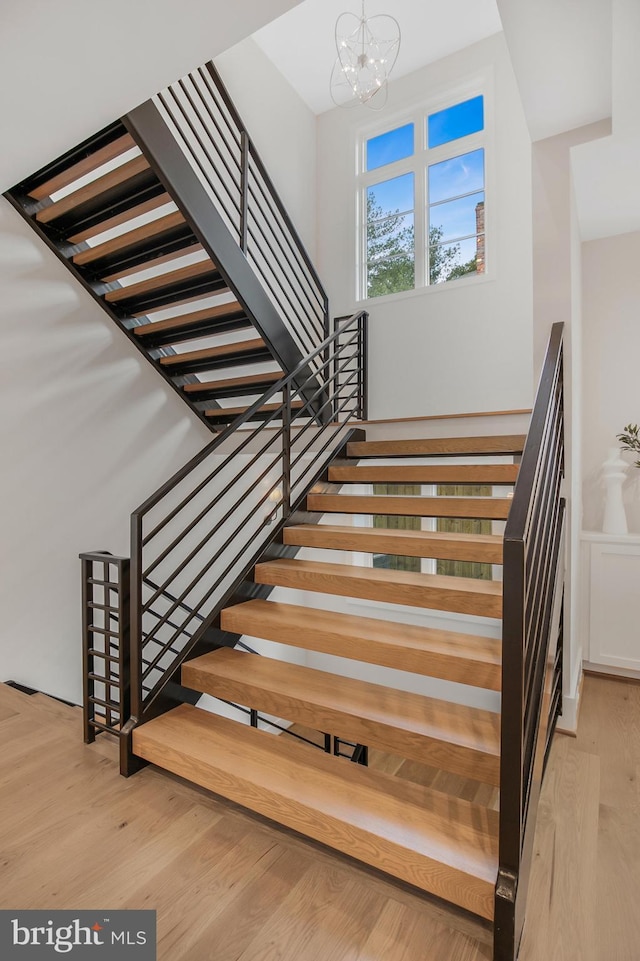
[[198, 536], [206, 125], [532, 643]]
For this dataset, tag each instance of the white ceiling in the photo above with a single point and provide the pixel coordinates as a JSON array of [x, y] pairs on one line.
[[301, 42], [561, 55]]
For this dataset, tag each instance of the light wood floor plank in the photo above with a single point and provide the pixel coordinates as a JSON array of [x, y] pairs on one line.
[[180, 858]]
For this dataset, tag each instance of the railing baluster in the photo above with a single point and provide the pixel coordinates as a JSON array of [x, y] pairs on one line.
[[533, 541]]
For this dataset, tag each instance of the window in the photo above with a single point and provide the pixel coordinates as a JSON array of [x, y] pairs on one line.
[[423, 200]]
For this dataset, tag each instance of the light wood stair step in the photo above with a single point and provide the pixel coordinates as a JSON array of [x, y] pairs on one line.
[[453, 737], [466, 595], [495, 508], [483, 548], [167, 279], [425, 474], [129, 239], [505, 444], [231, 385], [167, 259], [225, 413], [93, 189], [122, 218], [80, 169], [464, 658], [238, 348], [440, 844], [191, 322]]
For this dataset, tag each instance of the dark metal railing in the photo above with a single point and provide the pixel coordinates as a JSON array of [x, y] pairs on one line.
[[532, 644], [105, 643], [199, 536], [208, 128]]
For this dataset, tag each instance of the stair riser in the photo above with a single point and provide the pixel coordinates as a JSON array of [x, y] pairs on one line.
[[447, 666], [459, 888], [353, 540], [436, 753], [489, 508], [425, 597]]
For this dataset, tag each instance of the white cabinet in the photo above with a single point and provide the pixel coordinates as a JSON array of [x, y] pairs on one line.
[[611, 576]]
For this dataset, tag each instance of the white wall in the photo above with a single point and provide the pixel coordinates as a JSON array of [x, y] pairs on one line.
[[458, 347], [611, 347], [556, 299], [282, 128], [69, 68], [88, 431]]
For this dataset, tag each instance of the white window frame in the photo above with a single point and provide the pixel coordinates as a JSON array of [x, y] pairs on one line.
[[418, 163]]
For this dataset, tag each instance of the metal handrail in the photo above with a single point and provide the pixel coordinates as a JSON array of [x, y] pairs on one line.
[[532, 638], [204, 529], [206, 125]]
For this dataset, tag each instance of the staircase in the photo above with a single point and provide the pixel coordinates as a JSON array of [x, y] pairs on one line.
[[191, 292], [440, 843], [169, 221]]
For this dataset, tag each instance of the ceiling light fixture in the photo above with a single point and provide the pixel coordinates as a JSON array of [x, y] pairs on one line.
[[367, 51]]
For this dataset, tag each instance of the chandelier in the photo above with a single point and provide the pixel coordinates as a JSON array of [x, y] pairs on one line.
[[367, 51]]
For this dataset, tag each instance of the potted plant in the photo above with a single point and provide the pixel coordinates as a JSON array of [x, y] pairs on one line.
[[630, 440]]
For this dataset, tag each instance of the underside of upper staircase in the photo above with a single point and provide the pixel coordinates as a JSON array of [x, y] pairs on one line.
[[179, 255]]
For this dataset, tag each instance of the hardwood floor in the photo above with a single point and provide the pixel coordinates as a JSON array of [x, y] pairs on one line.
[[228, 886]]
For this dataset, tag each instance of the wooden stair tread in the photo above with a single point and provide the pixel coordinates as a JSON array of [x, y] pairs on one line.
[[130, 238], [187, 320], [93, 189], [445, 735], [465, 658], [116, 221], [425, 473], [496, 508], [209, 353], [83, 167], [504, 444], [483, 548], [190, 248], [271, 377], [465, 595], [449, 852], [167, 279], [226, 412]]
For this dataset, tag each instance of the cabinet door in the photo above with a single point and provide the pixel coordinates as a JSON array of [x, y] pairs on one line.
[[615, 611]]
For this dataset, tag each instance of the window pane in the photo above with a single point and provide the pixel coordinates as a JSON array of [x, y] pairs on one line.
[[454, 260], [460, 175], [391, 237], [457, 121], [390, 197], [456, 218], [389, 147], [390, 276]]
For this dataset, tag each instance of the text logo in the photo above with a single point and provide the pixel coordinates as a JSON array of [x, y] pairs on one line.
[[80, 935]]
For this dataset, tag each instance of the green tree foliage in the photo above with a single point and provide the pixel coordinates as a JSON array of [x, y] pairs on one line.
[[390, 253]]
